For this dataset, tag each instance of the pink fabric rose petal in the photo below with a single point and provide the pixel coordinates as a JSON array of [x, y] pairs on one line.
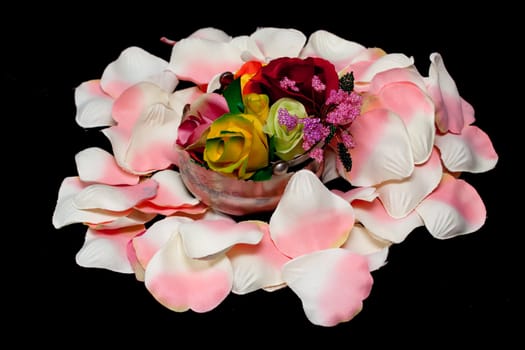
[[172, 192], [331, 47], [66, 212], [207, 237], [363, 242], [181, 283], [132, 66], [401, 197], [155, 237], [93, 105], [115, 198], [143, 140], [382, 152], [454, 208], [199, 60], [97, 165], [416, 110], [257, 266], [331, 284], [360, 64], [375, 218], [309, 217], [444, 92], [471, 151], [386, 62], [134, 218], [107, 249]]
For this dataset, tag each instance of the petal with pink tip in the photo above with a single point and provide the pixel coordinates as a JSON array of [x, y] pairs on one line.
[[376, 219], [172, 192], [207, 237], [470, 151], [360, 64], [278, 42], [401, 197], [93, 105], [454, 208], [181, 283], [309, 217], [386, 62], [156, 236], [115, 198], [416, 110], [331, 284], [257, 266], [382, 152], [134, 218], [108, 249], [361, 241], [130, 106], [444, 93], [67, 213], [133, 65], [97, 165], [150, 145], [331, 47], [199, 60]]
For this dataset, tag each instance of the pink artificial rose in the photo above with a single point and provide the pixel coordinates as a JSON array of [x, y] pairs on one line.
[[198, 118]]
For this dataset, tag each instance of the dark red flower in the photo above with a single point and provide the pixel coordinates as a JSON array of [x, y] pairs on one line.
[[307, 80]]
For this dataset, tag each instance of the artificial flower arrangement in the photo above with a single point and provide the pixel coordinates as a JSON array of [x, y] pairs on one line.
[[221, 158]]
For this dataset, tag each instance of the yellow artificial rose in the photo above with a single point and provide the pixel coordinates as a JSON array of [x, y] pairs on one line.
[[258, 105], [236, 145]]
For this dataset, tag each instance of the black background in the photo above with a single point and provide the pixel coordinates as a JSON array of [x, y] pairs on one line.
[[463, 290]]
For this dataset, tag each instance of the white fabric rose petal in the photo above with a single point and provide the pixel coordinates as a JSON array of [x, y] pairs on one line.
[[411, 103], [257, 266], [454, 208], [115, 198], [134, 218], [362, 242], [93, 105], [207, 237], [67, 213], [376, 219], [382, 152], [452, 112], [331, 47], [171, 196], [107, 249], [276, 42], [401, 197], [181, 283], [199, 60], [331, 284], [470, 151], [386, 62], [97, 165], [309, 217], [360, 64], [359, 193], [155, 237], [146, 129], [135, 65]]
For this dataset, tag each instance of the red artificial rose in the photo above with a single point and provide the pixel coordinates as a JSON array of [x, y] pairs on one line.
[[308, 81]]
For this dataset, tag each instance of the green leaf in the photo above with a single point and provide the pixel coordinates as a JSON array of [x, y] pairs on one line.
[[262, 174], [233, 96]]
